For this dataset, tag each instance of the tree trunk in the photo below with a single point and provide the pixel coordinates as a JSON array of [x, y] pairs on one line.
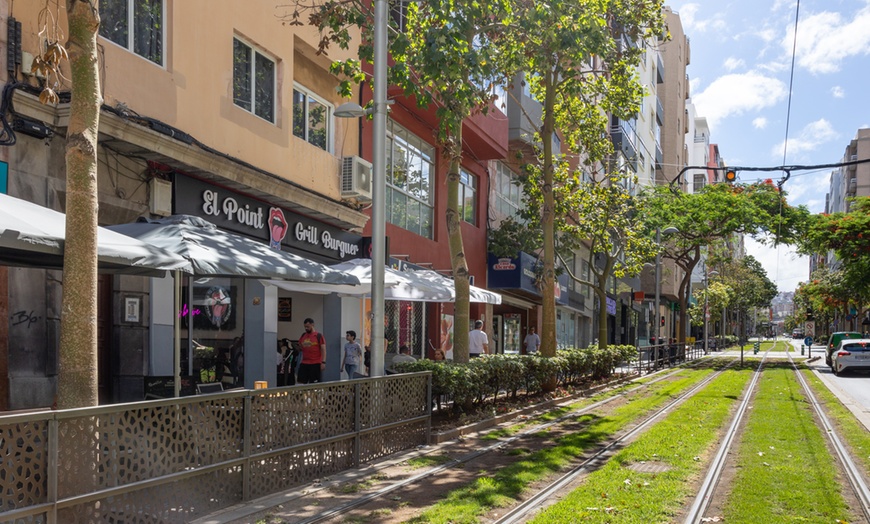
[[77, 376], [461, 308], [602, 319], [548, 278]]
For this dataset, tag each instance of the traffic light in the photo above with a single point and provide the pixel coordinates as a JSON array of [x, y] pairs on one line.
[[730, 176], [810, 314], [663, 320]]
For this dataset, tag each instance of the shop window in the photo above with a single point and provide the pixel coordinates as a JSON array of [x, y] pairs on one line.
[[468, 197], [312, 118], [253, 81], [212, 321], [410, 175], [136, 25]]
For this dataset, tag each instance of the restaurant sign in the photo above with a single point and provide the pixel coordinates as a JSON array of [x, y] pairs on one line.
[[282, 229]]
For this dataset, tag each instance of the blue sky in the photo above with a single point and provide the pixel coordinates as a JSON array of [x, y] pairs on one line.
[[741, 55]]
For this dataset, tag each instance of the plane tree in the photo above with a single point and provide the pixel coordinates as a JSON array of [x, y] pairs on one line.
[[444, 54]]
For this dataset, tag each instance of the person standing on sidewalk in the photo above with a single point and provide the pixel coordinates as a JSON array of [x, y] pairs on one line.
[[313, 354], [352, 355], [478, 343], [532, 341]]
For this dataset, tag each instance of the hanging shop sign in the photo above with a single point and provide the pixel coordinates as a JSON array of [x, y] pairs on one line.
[[247, 216]]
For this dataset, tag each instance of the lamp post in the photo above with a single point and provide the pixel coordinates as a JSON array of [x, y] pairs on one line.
[[379, 182], [658, 279], [706, 312]]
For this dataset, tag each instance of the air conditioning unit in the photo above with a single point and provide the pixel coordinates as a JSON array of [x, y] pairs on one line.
[[161, 197], [356, 178]]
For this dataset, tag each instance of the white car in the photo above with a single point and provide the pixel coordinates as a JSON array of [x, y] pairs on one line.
[[851, 355]]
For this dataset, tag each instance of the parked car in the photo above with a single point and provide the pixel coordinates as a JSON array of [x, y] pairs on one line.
[[852, 355], [797, 333], [834, 341]]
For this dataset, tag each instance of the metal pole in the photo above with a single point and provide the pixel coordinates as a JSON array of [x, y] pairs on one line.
[[379, 188], [706, 314], [658, 320]]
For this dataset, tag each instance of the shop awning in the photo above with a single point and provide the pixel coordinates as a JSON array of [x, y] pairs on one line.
[[476, 294], [212, 251], [33, 236]]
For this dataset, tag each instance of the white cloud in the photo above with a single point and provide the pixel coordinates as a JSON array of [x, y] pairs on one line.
[[735, 94], [732, 63], [694, 84], [782, 265], [691, 23], [759, 123], [838, 92], [826, 39], [811, 136]]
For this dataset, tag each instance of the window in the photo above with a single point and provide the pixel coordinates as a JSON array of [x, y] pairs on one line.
[[311, 119], [410, 173], [253, 81], [507, 191], [468, 197], [136, 25]]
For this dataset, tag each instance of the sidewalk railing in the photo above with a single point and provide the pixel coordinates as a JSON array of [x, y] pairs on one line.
[[174, 460], [651, 358]]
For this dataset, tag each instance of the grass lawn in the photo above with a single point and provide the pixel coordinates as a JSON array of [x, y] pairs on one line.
[[502, 488], [619, 493], [785, 472]]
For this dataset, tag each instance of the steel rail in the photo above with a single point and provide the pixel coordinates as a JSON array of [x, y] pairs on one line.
[[360, 501], [519, 512], [704, 497], [856, 479]]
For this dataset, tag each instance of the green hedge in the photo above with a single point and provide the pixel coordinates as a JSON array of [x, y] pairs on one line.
[[483, 378]]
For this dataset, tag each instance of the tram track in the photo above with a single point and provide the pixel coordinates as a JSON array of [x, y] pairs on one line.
[[540, 499], [701, 504], [337, 511]]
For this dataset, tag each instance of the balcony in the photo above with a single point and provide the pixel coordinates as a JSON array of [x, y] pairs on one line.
[[624, 137], [659, 157], [852, 188]]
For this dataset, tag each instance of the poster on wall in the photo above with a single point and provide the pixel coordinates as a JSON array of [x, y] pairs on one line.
[[213, 308], [446, 344], [285, 309]]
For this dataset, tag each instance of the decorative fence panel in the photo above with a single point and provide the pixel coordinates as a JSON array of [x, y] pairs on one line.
[[175, 460]]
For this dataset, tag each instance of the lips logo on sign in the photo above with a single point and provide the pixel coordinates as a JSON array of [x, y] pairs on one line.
[[277, 227]]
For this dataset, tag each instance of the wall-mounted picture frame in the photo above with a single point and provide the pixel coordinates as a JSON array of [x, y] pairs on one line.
[[285, 309], [131, 309]]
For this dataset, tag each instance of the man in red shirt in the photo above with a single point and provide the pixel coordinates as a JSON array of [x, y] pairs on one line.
[[313, 354]]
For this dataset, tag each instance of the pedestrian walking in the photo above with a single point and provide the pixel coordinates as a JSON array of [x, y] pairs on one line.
[[532, 341], [353, 354], [313, 348], [478, 342]]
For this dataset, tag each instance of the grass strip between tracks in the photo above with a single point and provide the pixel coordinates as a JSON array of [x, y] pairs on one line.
[[619, 493], [785, 472], [776, 346], [467, 504], [852, 433]]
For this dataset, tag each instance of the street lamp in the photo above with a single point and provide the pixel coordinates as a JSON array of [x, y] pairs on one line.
[[658, 279], [706, 312], [379, 183]]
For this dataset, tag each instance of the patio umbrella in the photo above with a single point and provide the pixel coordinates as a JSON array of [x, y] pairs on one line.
[[476, 294], [398, 285], [212, 251], [33, 236]]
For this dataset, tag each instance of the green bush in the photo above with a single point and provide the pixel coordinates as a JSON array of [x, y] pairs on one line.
[[482, 379]]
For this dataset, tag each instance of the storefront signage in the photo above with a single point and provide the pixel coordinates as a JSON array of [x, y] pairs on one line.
[[519, 273], [611, 306], [245, 215]]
